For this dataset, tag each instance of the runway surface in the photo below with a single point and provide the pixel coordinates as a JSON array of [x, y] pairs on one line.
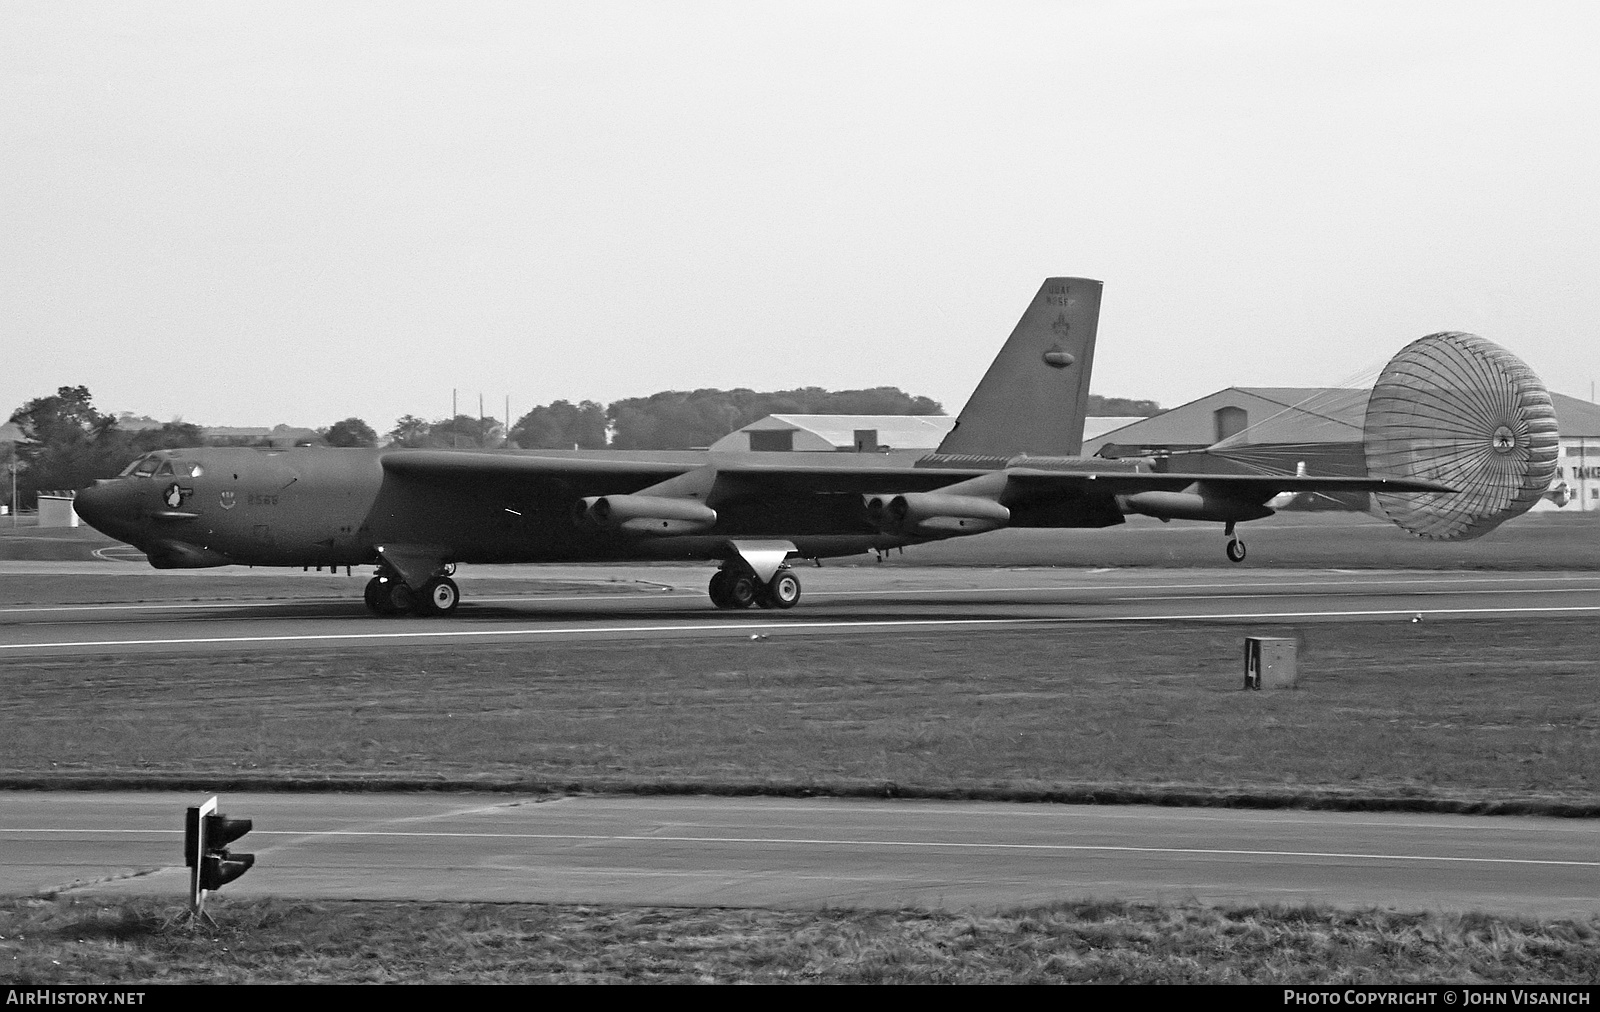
[[806, 853], [670, 602], [712, 851]]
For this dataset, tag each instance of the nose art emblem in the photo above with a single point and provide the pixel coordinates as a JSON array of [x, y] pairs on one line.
[[175, 495], [227, 501]]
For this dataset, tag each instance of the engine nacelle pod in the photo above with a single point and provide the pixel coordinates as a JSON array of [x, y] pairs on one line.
[[936, 513], [645, 514], [1192, 506]]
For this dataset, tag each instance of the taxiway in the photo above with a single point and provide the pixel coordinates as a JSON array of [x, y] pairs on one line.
[[806, 853]]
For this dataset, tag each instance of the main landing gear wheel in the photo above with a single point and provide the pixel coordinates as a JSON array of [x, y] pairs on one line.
[[397, 600], [742, 590], [734, 590], [719, 588], [387, 595], [1236, 551], [783, 591], [440, 596]]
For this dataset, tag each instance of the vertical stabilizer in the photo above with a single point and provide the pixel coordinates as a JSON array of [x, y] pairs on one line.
[[1036, 393]]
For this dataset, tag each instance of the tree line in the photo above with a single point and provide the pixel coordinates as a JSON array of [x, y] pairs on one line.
[[68, 443], [1121, 407], [686, 419]]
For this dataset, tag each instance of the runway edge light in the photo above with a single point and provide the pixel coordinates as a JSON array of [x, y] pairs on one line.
[[206, 835]]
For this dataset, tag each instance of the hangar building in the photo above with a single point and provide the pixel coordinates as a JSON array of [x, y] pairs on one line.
[[1310, 415], [1271, 414], [860, 433], [1578, 468], [864, 433]]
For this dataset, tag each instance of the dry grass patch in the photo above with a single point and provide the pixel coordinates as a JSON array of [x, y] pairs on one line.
[[82, 941], [1494, 710]]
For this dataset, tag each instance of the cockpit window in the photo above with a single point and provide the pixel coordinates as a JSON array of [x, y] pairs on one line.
[[149, 466]]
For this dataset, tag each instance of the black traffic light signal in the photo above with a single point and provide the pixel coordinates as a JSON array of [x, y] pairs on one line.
[[206, 835], [218, 867]]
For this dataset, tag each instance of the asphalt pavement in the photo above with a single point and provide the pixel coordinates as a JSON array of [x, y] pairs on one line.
[[670, 602], [775, 852], [805, 853]]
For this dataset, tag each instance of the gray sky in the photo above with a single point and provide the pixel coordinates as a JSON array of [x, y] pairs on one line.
[[249, 214]]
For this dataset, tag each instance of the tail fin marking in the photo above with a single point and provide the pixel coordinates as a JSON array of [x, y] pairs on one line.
[[1034, 397]]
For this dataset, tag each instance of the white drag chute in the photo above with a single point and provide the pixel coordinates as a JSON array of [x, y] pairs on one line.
[[1462, 411]]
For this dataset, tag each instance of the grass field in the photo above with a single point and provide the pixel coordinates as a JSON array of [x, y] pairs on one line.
[[1471, 715], [89, 941], [1500, 715]]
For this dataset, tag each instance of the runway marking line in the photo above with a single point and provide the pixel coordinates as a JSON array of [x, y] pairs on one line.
[[919, 844], [722, 627], [1066, 588], [1332, 589], [983, 810]]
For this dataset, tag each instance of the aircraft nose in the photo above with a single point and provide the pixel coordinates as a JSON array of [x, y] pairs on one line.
[[104, 503]]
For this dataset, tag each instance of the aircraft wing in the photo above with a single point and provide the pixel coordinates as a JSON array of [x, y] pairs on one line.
[[1247, 485], [852, 473], [604, 475]]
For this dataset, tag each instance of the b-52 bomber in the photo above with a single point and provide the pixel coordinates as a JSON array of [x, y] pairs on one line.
[[1010, 461]]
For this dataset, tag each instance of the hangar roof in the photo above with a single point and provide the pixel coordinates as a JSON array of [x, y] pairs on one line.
[[1294, 415], [1576, 418], [830, 432], [898, 432], [1272, 415]]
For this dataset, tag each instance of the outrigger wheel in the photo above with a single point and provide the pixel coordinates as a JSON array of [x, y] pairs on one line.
[[1235, 546]]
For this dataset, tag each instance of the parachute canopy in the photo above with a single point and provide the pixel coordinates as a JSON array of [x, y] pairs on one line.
[[1462, 411]]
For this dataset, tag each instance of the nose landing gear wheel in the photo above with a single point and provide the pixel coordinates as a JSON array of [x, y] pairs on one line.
[[440, 596], [1236, 551]]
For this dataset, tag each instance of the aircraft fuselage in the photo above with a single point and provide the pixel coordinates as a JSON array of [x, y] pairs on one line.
[[319, 506]]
